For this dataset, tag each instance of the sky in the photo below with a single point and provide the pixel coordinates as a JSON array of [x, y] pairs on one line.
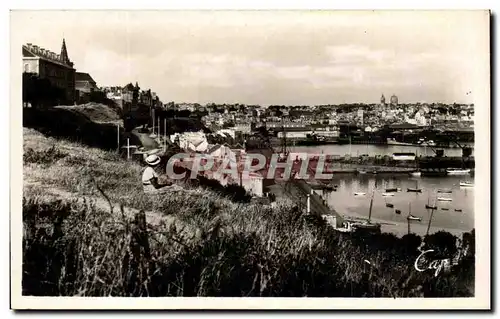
[[266, 57]]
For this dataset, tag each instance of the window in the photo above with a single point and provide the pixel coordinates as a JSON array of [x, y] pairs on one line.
[[26, 67]]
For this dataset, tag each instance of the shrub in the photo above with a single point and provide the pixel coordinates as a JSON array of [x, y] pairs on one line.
[[46, 156]]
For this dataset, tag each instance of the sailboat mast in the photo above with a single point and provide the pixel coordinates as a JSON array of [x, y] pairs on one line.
[[371, 206], [284, 138], [430, 220], [408, 218]]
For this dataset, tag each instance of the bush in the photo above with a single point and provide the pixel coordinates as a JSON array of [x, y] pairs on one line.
[[47, 156]]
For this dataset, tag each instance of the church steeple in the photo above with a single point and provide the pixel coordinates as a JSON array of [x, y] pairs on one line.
[[64, 53]]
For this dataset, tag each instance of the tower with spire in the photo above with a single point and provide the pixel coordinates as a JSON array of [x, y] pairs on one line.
[[382, 100], [64, 54], [56, 68]]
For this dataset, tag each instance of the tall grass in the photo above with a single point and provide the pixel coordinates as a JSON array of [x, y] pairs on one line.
[[77, 249]]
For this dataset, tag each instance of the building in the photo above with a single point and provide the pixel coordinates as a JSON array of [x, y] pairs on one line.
[[222, 152], [360, 114], [57, 68], [253, 184], [295, 132], [394, 100], [84, 86], [84, 82], [382, 100], [243, 128], [280, 124]]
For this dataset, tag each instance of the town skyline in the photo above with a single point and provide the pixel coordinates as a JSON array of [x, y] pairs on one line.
[[239, 58]]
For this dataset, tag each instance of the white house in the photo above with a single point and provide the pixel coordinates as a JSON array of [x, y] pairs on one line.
[[253, 184], [196, 141], [198, 146], [230, 132], [220, 152]]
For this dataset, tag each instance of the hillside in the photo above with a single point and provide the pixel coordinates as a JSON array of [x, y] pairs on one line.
[[96, 112], [85, 236]]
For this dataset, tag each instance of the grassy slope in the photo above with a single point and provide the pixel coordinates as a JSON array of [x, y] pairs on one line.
[[217, 248], [97, 112]]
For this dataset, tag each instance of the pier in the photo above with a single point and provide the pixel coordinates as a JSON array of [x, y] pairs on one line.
[[303, 194]]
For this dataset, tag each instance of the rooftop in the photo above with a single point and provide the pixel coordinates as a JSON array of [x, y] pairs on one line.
[[80, 76], [31, 50]]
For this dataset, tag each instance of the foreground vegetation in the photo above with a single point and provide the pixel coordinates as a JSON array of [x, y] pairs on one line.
[[211, 245]]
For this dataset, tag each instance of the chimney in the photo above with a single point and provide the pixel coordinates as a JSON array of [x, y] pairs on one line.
[[42, 51], [29, 45]]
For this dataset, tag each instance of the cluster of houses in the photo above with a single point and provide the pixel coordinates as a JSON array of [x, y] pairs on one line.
[[130, 97], [195, 143]]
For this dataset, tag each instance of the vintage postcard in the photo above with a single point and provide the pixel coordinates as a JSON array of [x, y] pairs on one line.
[[250, 159]]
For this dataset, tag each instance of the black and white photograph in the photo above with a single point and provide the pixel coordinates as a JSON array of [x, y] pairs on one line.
[[213, 154]]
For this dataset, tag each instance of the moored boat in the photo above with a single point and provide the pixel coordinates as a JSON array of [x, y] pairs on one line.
[[393, 141], [466, 184], [429, 206], [416, 173], [446, 191], [444, 199], [444, 208], [411, 217], [389, 205], [359, 194], [398, 211], [458, 209], [391, 190], [414, 190], [387, 194], [457, 171]]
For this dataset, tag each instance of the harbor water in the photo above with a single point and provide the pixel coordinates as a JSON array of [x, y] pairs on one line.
[[458, 214], [372, 150]]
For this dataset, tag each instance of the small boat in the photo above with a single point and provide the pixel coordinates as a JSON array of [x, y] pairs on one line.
[[414, 190], [416, 174], [359, 194], [361, 172], [428, 205], [398, 211], [389, 205], [444, 199], [428, 143], [466, 184], [387, 194], [411, 217], [457, 171], [391, 190], [447, 191], [444, 208], [458, 210]]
